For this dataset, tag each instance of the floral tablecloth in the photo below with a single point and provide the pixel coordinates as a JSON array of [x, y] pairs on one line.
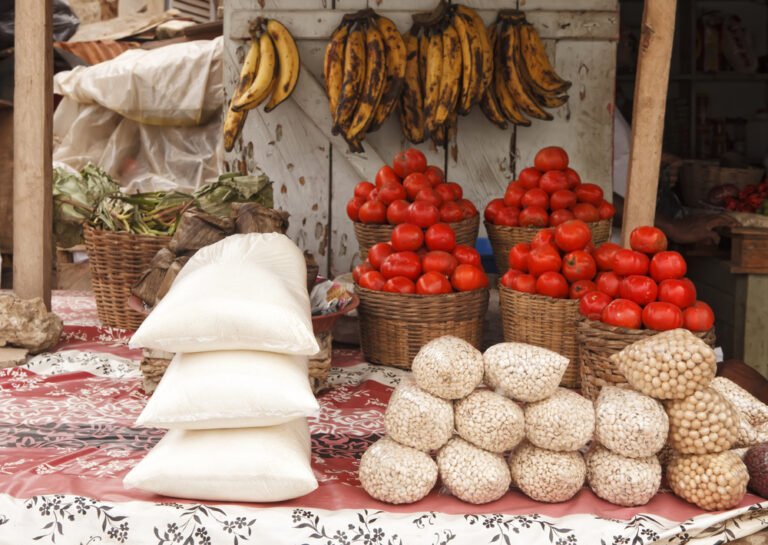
[[67, 439]]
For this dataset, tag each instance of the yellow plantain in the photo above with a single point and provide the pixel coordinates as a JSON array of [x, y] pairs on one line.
[[373, 84], [490, 107], [433, 77], [410, 108], [288, 66], [351, 85], [474, 20], [507, 53], [395, 51], [423, 47], [233, 124], [451, 125], [536, 63], [450, 76], [506, 102], [248, 70], [333, 66], [471, 63], [265, 73], [438, 136]]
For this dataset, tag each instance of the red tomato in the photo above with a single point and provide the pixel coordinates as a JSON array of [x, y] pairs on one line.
[[506, 279], [586, 212], [378, 253], [400, 284], [552, 284], [543, 259], [363, 188], [638, 288], [468, 278], [535, 197], [429, 195], [529, 178], [410, 160], [405, 264], [447, 194], [662, 316], [373, 212], [665, 265], [513, 195], [580, 288], [373, 195], [543, 237], [560, 216], [440, 237], [603, 255], [698, 317], [608, 282], [414, 183], [458, 193], [435, 175], [551, 158], [423, 214], [439, 261], [578, 265], [373, 280], [492, 208], [593, 303], [353, 208], [590, 247], [432, 283], [407, 236], [562, 198], [591, 193], [386, 174], [397, 211], [360, 270], [552, 181], [629, 262], [533, 216], [467, 208], [573, 178], [678, 291], [649, 240], [450, 212], [391, 192], [572, 235], [606, 210], [524, 282], [623, 313], [508, 216], [518, 256], [467, 254]]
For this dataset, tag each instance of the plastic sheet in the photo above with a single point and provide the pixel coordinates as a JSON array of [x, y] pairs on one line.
[[65, 22]]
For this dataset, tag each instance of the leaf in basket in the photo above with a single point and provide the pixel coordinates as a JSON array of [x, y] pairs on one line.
[[215, 197]]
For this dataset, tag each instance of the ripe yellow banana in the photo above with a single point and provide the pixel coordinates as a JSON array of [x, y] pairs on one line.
[[450, 76], [333, 66], [471, 63], [373, 83], [395, 55], [506, 101], [233, 124], [288, 65], [410, 108], [248, 70], [351, 85], [474, 20], [433, 77], [536, 63], [265, 74], [506, 54]]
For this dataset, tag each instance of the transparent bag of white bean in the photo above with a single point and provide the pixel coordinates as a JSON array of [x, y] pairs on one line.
[[417, 418], [395, 473], [630, 423], [522, 371]]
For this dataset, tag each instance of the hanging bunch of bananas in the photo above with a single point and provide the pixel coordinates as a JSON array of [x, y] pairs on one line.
[[364, 71], [524, 82], [270, 70]]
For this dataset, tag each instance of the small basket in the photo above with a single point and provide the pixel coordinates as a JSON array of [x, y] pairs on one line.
[[368, 234], [504, 238], [394, 326], [599, 341], [543, 321], [117, 261]]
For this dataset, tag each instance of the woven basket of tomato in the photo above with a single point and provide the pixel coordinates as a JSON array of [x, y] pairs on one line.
[[639, 292], [547, 194], [415, 288], [410, 191]]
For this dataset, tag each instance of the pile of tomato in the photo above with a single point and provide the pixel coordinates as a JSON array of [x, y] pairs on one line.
[[548, 194], [423, 262], [409, 191]]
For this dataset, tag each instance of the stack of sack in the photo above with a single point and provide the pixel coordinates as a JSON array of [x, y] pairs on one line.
[[236, 395]]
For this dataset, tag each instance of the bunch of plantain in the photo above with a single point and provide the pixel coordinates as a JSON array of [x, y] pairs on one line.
[[364, 72], [270, 70], [524, 82]]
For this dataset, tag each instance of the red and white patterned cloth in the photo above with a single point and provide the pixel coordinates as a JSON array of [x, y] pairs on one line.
[[67, 439]]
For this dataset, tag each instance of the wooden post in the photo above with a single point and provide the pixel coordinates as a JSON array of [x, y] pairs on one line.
[[656, 37], [32, 137]]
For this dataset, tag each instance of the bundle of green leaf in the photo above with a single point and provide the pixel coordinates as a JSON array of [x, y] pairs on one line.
[[215, 197]]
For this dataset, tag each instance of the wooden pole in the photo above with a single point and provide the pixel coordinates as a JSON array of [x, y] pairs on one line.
[[656, 37], [32, 149]]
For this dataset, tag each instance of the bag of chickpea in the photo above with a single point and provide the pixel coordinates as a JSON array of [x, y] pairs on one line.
[[702, 423], [712, 481]]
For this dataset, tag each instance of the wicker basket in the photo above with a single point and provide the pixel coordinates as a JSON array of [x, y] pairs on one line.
[[504, 238], [393, 326], [117, 260], [543, 321], [599, 341], [368, 234]]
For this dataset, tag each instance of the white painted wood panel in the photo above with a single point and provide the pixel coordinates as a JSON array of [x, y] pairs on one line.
[[587, 5], [291, 5]]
